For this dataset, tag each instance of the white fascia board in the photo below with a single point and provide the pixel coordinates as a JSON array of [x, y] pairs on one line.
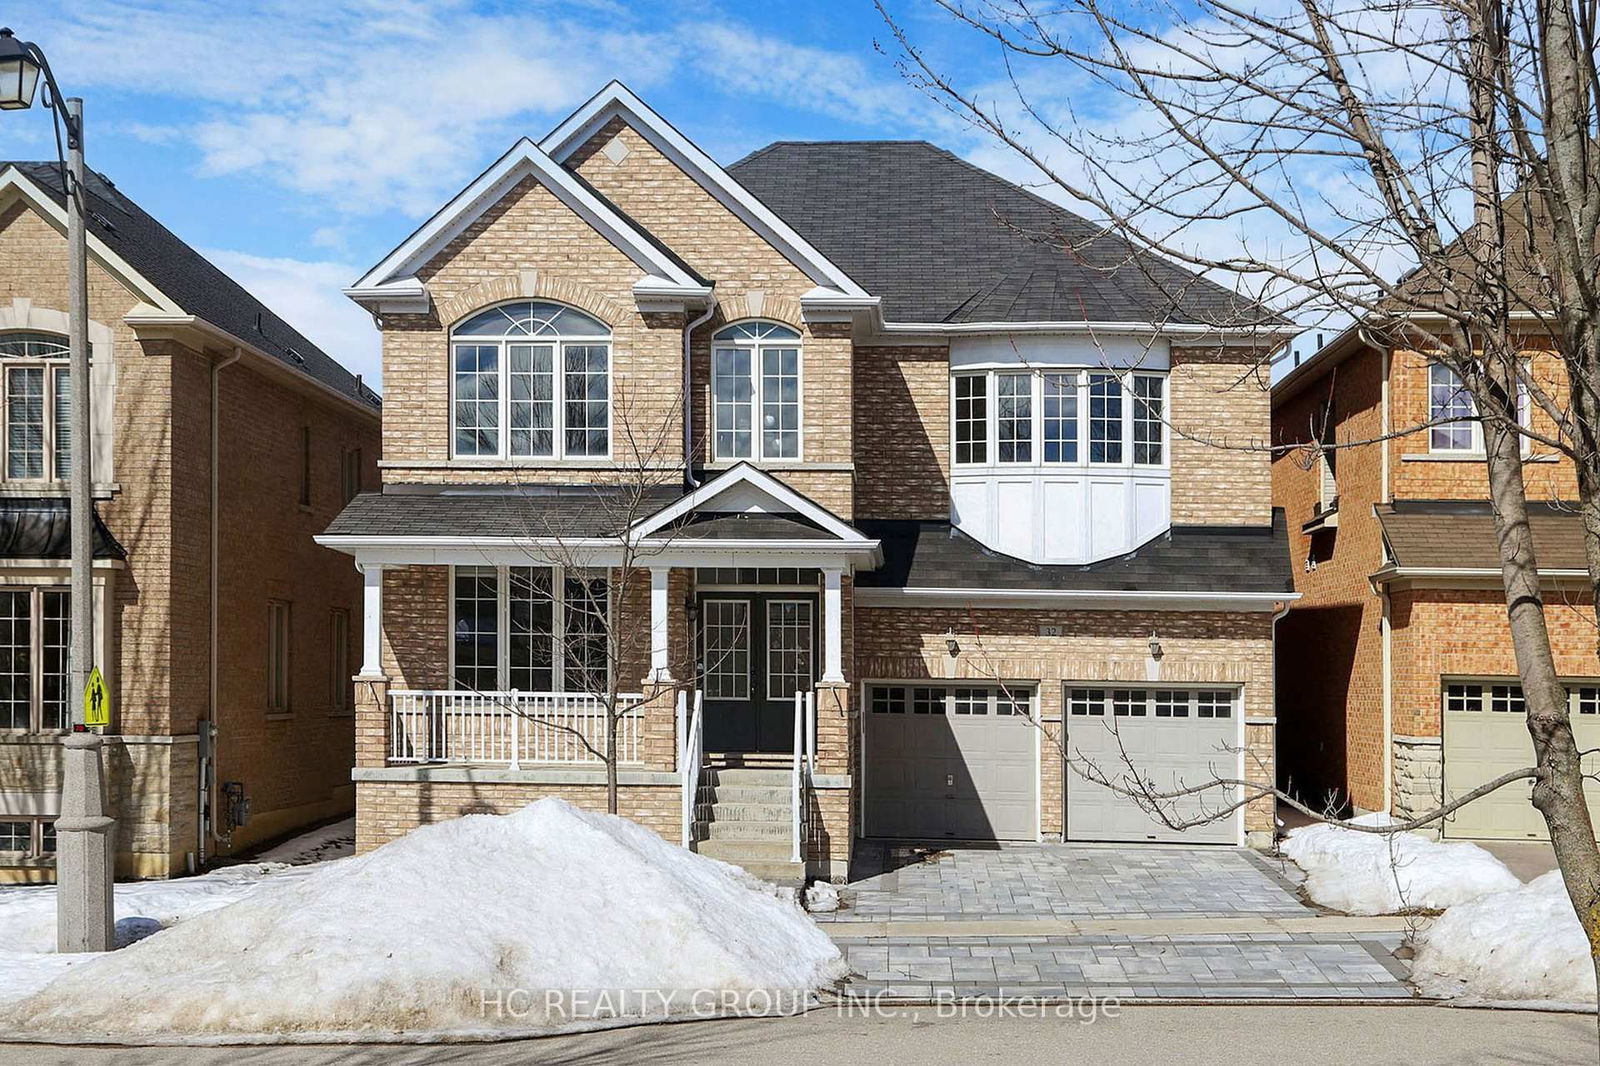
[[617, 99], [14, 183], [1276, 334], [467, 206], [402, 296], [745, 474], [593, 551], [1073, 599]]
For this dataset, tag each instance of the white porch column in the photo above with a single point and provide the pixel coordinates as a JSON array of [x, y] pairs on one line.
[[832, 627], [371, 621], [660, 652]]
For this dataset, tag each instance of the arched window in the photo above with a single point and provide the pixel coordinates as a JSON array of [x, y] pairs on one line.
[[38, 405], [755, 389], [531, 380]]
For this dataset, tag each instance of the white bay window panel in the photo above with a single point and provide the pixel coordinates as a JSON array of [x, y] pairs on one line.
[[1060, 465]]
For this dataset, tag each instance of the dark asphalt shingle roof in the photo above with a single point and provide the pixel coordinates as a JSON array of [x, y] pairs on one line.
[[1459, 535], [193, 282], [42, 529], [920, 554], [530, 511], [941, 240]]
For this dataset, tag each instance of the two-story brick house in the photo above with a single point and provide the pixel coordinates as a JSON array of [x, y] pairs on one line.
[[1398, 685], [223, 440], [909, 461]]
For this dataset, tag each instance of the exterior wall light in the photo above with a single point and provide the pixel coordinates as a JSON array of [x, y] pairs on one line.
[[951, 645], [1155, 647], [19, 73]]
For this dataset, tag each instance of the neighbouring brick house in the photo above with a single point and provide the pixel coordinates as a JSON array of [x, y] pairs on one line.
[[1397, 683], [908, 460], [223, 440]]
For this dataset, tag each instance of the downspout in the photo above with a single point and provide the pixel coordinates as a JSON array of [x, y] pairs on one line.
[[1386, 632], [1277, 616], [208, 791], [688, 394]]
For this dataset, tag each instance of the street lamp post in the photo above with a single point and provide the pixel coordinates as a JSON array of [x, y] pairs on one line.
[[83, 831]]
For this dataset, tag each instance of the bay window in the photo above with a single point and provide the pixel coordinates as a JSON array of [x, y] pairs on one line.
[[37, 406], [530, 629], [755, 392], [33, 659], [1059, 418], [531, 380]]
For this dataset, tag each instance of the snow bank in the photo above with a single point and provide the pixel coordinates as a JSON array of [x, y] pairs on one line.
[[548, 918], [1525, 944], [1368, 873]]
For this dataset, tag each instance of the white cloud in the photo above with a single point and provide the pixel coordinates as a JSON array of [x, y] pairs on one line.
[[307, 295]]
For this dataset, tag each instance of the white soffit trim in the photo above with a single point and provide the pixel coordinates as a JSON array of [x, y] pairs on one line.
[[745, 474], [1075, 599], [522, 159], [617, 99], [14, 183]]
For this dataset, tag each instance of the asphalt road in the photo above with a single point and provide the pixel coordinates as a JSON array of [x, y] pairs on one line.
[[1193, 1036]]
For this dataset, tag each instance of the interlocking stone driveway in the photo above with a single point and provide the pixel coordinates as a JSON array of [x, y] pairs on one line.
[[1238, 966], [1073, 881], [1127, 921]]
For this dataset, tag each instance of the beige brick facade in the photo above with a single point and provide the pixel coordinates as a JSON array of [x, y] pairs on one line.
[[875, 422], [156, 499]]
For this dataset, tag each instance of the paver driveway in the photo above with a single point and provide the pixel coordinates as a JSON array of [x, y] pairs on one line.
[[1135, 922], [1072, 881]]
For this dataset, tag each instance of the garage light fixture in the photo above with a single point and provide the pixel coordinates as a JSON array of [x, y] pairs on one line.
[[951, 645], [1155, 647]]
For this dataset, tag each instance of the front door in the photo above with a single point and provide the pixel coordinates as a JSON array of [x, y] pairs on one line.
[[755, 654]]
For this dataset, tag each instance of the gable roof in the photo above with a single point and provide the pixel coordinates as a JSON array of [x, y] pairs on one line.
[[664, 270], [616, 100], [191, 281], [1459, 535], [943, 241], [762, 493]]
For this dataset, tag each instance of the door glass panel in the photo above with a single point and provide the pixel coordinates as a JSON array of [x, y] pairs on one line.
[[725, 636], [788, 648]]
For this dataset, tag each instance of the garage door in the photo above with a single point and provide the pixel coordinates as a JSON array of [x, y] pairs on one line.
[[951, 762], [1486, 735], [1173, 738]]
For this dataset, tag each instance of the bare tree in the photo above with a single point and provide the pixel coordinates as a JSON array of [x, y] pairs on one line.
[[1426, 169]]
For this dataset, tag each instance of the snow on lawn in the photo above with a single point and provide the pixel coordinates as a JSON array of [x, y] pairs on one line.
[[1371, 873], [1525, 944], [335, 841], [548, 918]]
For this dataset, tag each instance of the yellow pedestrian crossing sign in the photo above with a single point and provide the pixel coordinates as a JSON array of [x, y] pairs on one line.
[[96, 700]]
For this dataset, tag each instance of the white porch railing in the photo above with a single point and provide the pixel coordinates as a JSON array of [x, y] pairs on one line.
[[691, 756], [456, 726], [805, 766]]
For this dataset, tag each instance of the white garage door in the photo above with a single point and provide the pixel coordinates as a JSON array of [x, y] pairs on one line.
[[954, 762], [1486, 735], [1172, 738]]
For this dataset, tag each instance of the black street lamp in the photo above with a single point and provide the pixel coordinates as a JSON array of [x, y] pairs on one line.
[[83, 831]]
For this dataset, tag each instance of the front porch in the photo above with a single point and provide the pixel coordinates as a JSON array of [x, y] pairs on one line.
[[708, 639]]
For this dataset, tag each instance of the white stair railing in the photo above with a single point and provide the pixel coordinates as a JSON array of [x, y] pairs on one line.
[[514, 728], [691, 756], [805, 765]]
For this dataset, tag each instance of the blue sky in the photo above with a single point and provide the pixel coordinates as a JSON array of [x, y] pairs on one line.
[[296, 143]]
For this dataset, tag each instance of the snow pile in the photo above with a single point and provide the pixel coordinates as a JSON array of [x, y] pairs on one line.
[[822, 898], [335, 841], [1525, 944], [1372, 873], [548, 918]]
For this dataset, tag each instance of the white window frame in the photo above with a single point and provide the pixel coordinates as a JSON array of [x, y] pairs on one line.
[[54, 367], [991, 441], [1475, 446], [756, 346], [36, 827], [558, 343], [36, 673], [749, 648], [1112, 700], [558, 622]]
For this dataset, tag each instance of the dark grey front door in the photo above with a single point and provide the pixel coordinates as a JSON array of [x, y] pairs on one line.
[[756, 652]]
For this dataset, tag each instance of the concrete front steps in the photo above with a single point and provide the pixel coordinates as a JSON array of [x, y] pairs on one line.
[[744, 817]]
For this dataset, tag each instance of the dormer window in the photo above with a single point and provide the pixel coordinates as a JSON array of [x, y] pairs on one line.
[[755, 392], [37, 407], [531, 380]]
